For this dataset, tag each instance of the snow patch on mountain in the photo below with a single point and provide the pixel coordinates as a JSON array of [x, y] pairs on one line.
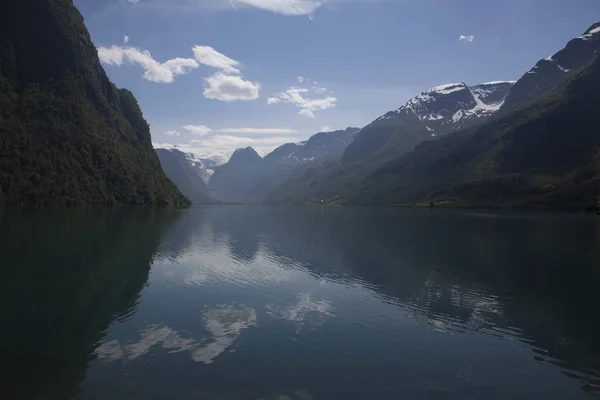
[[447, 88], [204, 165], [452, 106]]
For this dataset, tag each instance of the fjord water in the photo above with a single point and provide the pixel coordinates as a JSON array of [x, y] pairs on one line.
[[299, 303]]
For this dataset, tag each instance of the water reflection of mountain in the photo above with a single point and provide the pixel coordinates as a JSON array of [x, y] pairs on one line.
[[67, 274], [531, 277], [235, 227]]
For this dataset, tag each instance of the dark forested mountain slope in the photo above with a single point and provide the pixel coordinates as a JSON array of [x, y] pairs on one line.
[[187, 174], [67, 134], [545, 154], [249, 178], [555, 69]]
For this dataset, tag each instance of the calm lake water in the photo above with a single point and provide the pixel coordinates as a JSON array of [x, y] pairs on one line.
[[298, 304]]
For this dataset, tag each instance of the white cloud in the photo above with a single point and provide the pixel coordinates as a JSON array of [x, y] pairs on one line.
[[295, 95], [286, 7], [325, 128], [306, 113], [226, 144], [154, 71], [199, 130], [171, 133], [133, 1], [163, 145], [468, 38], [229, 88], [273, 100], [208, 56], [319, 90], [125, 39], [301, 79], [259, 131]]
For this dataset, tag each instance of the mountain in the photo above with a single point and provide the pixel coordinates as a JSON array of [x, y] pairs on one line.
[[187, 173], [67, 134], [544, 154], [552, 71], [433, 113], [231, 182], [538, 148], [249, 178]]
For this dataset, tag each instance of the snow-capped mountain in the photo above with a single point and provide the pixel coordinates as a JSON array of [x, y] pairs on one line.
[[555, 69], [449, 107], [434, 112], [204, 165]]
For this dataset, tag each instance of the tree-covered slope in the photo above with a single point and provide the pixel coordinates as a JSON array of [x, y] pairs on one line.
[[544, 154], [67, 134]]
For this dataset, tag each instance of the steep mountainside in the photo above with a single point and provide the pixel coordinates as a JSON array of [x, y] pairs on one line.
[[186, 174], [67, 134], [249, 178], [545, 154], [552, 71], [433, 113]]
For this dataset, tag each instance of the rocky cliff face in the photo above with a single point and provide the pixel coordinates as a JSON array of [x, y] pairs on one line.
[[67, 134]]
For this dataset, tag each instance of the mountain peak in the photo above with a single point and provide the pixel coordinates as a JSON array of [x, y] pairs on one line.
[[437, 111], [245, 156]]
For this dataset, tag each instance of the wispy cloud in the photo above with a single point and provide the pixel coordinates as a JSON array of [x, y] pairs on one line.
[[125, 39], [199, 130], [466, 38], [259, 131], [208, 56], [297, 96], [285, 7], [154, 70], [226, 140], [301, 98], [226, 144], [229, 88], [171, 133]]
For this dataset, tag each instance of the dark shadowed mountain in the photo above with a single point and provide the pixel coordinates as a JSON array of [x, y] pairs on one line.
[[249, 178], [186, 173], [555, 69], [67, 134]]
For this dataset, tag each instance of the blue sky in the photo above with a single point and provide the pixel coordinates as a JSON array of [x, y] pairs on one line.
[[214, 75]]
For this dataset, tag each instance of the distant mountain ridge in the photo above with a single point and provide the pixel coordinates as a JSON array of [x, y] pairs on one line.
[[433, 113], [248, 177]]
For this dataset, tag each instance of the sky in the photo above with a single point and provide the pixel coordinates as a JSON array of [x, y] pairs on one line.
[[215, 75]]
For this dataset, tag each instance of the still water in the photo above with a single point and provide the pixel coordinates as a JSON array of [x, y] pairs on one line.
[[298, 304]]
